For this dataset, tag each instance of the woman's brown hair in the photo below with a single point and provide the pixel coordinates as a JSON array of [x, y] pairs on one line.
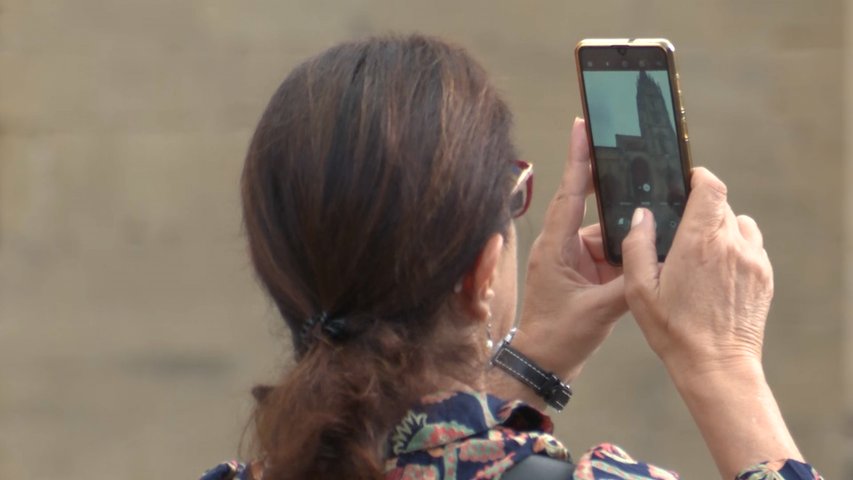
[[377, 173]]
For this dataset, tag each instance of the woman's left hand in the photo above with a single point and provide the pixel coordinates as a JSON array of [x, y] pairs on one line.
[[573, 297]]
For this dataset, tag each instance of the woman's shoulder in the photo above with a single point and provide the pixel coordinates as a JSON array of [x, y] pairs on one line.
[[609, 461], [602, 461]]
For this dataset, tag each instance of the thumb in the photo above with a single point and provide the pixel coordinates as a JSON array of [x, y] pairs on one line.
[[640, 257]]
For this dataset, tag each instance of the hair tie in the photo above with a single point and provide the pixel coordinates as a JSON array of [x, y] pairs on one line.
[[334, 328]]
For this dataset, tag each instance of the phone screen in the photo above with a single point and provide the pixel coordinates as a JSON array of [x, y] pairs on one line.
[[635, 141]]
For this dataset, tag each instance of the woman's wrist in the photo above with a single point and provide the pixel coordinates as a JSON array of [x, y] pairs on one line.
[[547, 356], [694, 377], [507, 386], [503, 385], [735, 410]]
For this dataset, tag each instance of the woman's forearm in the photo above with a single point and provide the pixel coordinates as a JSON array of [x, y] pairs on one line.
[[738, 416]]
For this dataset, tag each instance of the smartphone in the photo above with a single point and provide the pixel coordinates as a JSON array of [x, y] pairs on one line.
[[637, 131]]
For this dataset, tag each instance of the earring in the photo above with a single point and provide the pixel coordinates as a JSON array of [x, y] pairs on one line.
[[489, 343]]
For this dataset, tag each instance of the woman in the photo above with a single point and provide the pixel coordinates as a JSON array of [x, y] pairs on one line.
[[379, 191]]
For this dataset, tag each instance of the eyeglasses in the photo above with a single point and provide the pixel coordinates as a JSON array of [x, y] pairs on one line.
[[519, 199]]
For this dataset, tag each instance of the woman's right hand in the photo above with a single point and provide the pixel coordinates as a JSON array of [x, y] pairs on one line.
[[703, 312], [706, 307]]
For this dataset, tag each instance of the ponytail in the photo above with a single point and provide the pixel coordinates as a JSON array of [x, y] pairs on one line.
[[329, 416]]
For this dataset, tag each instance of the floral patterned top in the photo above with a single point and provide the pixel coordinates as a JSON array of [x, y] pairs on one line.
[[467, 435]]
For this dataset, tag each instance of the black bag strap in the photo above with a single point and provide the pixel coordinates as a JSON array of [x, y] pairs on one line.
[[540, 467]]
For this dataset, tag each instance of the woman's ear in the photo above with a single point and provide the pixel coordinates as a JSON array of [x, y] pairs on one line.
[[475, 290]]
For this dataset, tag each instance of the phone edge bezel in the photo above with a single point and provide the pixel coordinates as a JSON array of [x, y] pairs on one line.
[[679, 114]]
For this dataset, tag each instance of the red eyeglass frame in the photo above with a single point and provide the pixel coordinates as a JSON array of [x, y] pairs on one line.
[[524, 180]]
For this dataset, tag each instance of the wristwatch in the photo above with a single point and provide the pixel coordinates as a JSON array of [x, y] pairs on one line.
[[547, 385]]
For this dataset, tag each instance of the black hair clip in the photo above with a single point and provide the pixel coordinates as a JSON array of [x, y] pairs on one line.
[[334, 328]]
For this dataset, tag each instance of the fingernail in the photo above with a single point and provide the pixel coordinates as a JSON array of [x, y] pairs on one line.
[[637, 218]]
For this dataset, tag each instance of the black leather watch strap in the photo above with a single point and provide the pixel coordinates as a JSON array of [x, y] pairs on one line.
[[547, 385]]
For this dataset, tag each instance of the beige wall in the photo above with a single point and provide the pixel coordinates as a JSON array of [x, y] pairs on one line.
[[130, 326], [848, 231]]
